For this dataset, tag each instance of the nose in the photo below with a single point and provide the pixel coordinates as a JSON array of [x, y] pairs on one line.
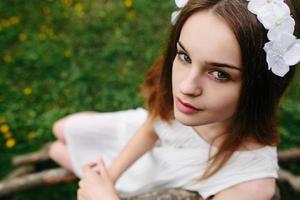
[[191, 84]]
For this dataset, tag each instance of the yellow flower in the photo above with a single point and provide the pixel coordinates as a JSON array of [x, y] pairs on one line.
[[6, 23], [7, 58], [46, 32], [27, 91], [128, 3], [67, 53], [4, 128], [67, 2], [131, 15], [2, 119], [14, 20], [7, 134], [10, 143], [31, 136], [22, 37], [79, 9]]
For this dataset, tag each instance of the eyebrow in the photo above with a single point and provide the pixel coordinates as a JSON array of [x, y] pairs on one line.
[[213, 63]]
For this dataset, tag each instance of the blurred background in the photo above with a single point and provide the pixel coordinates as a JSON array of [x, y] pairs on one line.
[[63, 56]]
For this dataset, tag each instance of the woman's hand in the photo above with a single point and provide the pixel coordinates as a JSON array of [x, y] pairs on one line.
[[96, 186]]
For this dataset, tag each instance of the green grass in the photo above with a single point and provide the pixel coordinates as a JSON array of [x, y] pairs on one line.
[[62, 56]]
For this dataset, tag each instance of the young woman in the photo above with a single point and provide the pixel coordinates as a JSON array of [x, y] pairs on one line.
[[210, 124]]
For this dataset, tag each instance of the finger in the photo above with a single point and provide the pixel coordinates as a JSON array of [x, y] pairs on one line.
[[89, 166], [81, 183], [102, 168], [86, 167], [93, 164], [87, 170]]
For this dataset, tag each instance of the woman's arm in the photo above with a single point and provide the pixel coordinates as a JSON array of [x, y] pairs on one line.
[[262, 189], [142, 141]]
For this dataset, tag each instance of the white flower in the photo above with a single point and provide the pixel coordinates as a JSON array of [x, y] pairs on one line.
[[276, 18], [174, 16], [254, 6], [282, 52], [286, 25], [181, 3], [274, 15]]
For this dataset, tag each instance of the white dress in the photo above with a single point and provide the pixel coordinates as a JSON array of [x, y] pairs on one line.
[[177, 160]]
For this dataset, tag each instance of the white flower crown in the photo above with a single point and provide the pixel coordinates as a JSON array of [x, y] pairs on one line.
[[283, 49]]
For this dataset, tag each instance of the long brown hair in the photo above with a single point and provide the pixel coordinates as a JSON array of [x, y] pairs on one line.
[[255, 117]]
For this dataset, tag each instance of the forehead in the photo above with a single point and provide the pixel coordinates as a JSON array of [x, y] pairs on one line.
[[207, 36]]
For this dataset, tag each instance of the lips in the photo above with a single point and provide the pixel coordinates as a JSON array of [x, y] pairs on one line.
[[186, 107]]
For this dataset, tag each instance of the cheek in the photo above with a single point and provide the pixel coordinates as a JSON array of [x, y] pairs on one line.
[[226, 101], [175, 75]]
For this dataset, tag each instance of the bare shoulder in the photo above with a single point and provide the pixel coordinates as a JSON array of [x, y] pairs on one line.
[[148, 127], [260, 189]]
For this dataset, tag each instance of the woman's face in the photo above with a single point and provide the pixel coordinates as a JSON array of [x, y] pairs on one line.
[[206, 74]]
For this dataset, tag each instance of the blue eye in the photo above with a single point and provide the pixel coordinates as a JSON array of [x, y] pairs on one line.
[[221, 76], [184, 57]]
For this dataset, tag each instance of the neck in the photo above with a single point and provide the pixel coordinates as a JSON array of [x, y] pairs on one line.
[[212, 133], [215, 134]]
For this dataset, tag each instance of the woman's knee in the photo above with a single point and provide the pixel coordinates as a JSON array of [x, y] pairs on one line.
[[58, 126], [58, 152], [58, 129], [55, 149]]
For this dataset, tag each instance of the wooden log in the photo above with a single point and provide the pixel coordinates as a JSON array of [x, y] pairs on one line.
[[20, 171], [34, 157], [168, 194], [47, 177], [289, 155], [291, 179]]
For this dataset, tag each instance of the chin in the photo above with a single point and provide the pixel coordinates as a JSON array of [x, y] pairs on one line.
[[186, 120]]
